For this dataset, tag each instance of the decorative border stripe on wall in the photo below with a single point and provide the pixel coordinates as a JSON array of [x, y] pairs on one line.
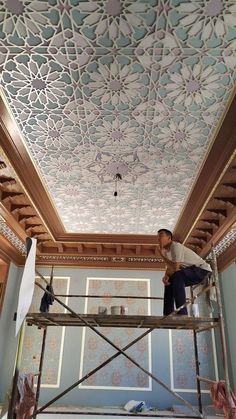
[[53, 356]]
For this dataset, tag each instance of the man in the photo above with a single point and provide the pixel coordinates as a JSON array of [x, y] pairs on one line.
[[183, 268]]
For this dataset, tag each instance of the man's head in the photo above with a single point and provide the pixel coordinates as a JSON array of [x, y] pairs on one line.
[[164, 237]]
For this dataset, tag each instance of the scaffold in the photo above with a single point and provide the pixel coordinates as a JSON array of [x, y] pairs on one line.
[[147, 322]]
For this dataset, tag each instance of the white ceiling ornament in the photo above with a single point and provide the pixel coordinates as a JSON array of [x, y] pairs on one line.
[[193, 85], [23, 17], [53, 132], [106, 166], [114, 17], [181, 135], [114, 83], [105, 85], [79, 50], [37, 83], [207, 18], [151, 112], [158, 50], [230, 56], [117, 136], [81, 111]]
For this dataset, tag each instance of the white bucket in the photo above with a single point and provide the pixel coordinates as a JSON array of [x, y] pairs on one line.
[[115, 310], [195, 310], [102, 310], [124, 310]]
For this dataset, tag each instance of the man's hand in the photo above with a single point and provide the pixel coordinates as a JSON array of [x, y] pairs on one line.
[[165, 280], [159, 250]]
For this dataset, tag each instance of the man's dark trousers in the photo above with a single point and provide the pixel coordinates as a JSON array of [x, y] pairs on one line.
[[175, 292]]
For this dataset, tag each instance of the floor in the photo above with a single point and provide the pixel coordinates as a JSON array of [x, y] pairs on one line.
[[88, 414]]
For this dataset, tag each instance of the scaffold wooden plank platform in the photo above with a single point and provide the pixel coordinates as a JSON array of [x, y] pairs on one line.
[[136, 321]]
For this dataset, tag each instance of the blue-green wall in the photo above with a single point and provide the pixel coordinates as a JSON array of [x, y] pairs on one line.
[[228, 289], [71, 354], [8, 342], [160, 357]]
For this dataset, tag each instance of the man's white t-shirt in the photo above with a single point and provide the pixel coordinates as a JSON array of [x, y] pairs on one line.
[[186, 257]]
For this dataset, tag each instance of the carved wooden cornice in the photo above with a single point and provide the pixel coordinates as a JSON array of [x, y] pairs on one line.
[[218, 215]]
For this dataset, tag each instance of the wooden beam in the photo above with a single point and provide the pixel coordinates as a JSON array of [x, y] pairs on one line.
[[80, 248], [17, 207], [138, 249], [10, 194], [226, 225], [24, 217], [99, 249], [6, 180]]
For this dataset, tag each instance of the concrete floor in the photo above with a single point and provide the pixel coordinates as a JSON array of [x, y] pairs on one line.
[[87, 413]]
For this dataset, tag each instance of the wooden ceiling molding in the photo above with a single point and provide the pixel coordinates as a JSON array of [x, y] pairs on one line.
[[28, 211], [18, 211], [112, 262], [218, 215]]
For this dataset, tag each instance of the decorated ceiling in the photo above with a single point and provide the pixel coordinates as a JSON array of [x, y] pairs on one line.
[[118, 96]]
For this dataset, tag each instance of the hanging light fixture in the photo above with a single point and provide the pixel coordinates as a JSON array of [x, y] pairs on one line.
[[117, 179]]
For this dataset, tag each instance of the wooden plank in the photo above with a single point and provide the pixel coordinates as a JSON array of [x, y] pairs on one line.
[[142, 322]]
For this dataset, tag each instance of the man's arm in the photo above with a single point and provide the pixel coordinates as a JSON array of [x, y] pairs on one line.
[[172, 267], [165, 278]]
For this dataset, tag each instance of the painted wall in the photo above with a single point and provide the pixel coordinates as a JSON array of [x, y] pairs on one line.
[[66, 353], [8, 342], [228, 289], [161, 353]]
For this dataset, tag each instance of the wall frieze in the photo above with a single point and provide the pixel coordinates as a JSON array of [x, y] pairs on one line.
[[12, 237]]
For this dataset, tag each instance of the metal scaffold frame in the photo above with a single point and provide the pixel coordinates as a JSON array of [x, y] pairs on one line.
[[150, 323]]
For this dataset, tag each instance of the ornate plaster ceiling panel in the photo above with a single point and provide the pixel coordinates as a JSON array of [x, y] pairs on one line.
[[129, 87]]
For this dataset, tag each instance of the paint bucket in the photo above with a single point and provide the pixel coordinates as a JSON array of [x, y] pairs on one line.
[[195, 310], [102, 310], [123, 310], [115, 310]]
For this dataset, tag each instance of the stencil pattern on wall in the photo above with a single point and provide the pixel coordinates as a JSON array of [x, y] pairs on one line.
[[134, 87], [121, 373], [54, 341], [183, 365]]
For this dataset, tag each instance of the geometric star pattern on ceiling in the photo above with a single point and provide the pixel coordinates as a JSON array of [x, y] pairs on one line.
[[105, 87]]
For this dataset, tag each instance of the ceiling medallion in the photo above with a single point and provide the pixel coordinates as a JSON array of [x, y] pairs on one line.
[[106, 166]]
